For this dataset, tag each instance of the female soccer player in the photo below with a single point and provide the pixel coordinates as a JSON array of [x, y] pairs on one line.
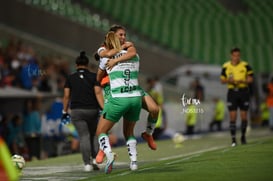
[[125, 101], [147, 101]]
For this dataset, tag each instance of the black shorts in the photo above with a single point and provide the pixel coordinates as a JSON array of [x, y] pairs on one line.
[[238, 99]]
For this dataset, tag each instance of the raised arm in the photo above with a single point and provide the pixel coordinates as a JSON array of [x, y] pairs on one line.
[[108, 53], [130, 54]]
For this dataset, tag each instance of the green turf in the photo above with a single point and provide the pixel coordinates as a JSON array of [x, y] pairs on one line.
[[251, 162], [208, 158]]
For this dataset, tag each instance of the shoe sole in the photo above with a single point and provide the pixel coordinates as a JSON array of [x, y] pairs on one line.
[[108, 168]]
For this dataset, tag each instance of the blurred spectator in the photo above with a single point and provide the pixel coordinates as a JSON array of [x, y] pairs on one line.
[[191, 119], [269, 101], [219, 114], [16, 141], [158, 86], [32, 128], [26, 80], [51, 129], [155, 90], [198, 88], [21, 67], [53, 132], [264, 114], [4, 127]]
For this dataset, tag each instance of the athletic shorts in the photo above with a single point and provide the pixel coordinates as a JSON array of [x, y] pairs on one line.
[[126, 107], [107, 93], [238, 99]]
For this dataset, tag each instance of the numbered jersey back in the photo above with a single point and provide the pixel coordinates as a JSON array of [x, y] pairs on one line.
[[124, 77]]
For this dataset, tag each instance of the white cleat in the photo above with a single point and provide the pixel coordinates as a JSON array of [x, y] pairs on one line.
[[87, 168], [133, 165], [109, 163], [233, 144]]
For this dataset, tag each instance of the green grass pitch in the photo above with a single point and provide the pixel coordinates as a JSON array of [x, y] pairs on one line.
[[208, 158]]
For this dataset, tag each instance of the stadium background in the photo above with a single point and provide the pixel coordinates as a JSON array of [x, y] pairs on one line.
[[177, 41]]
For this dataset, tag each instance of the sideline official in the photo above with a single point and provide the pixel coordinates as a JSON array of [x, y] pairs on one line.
[[82, 92], [237, 74]]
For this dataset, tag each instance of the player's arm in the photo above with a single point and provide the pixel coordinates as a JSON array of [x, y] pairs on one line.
[[126, 45], [225, 79], [130, 54], [108, 53], [99, 95], [100, 74], [249, 80], [249, 77], [112, 52], [101, 69], [66, 99]]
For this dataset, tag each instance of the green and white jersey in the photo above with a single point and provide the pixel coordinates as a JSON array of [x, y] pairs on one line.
[[123, 76]]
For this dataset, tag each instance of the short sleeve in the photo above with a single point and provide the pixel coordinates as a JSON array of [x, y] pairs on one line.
[[249, 70], [103, 61], [67, 83], [223, 72], [101, 49]]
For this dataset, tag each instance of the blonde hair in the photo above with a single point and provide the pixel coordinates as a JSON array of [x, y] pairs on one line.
[[112, 41]]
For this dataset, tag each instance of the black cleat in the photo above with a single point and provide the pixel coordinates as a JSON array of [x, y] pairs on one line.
[[243, 140], [95, 167]]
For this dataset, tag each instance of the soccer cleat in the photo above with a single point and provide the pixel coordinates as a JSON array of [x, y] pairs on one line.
[[149, 139], [100, 156], [133, 165], [87, 168], [95, 167], [109, 163], [233, 144], [243, 140]]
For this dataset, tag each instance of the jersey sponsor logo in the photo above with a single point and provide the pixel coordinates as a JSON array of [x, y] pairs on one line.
[[128, 89]]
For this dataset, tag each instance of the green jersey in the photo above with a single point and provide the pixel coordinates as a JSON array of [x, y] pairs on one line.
[[123, 77]]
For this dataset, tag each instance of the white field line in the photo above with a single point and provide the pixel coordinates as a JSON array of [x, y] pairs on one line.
[[46, 170], [186, 157], [192, 153], [183, 159]]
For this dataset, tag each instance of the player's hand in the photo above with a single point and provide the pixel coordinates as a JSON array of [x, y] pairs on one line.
[[110, 64], [126, 45], [231, 80], [241, 81], [66, 118]]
